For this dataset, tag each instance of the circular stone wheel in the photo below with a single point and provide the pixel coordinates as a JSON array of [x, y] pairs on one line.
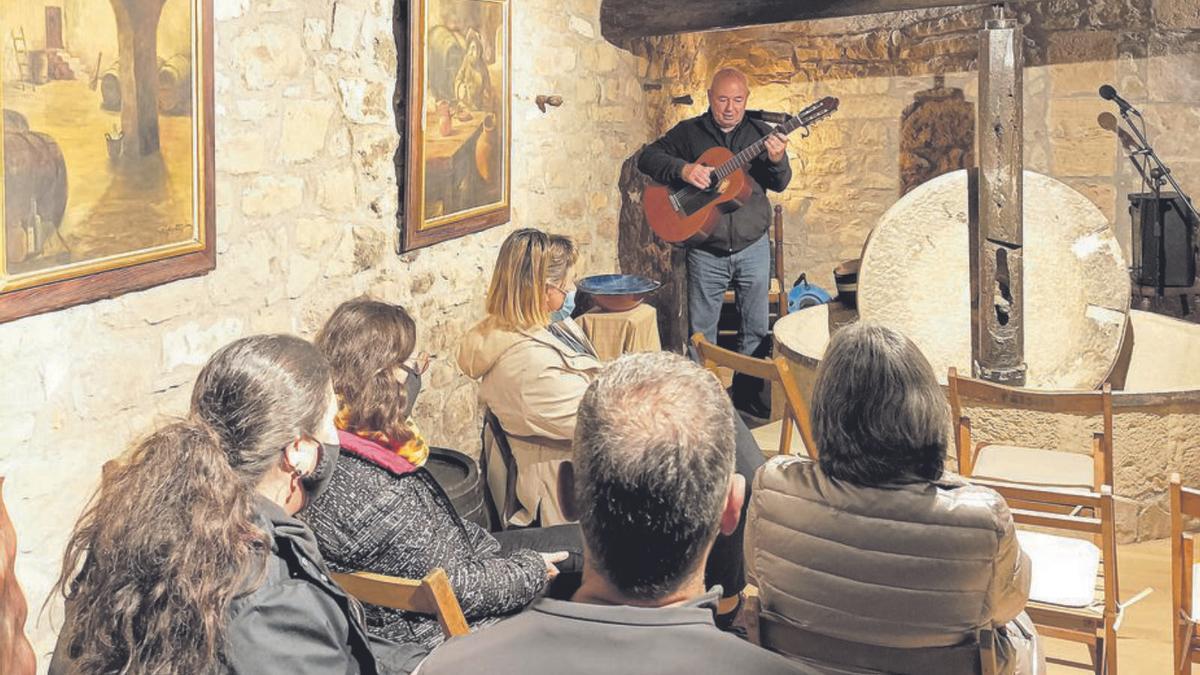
[[915, 278]]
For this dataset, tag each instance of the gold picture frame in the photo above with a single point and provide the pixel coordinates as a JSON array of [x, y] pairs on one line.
[[456, 167], [107, 165]]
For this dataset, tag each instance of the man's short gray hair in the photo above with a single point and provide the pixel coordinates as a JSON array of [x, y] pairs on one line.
[[654, 442]]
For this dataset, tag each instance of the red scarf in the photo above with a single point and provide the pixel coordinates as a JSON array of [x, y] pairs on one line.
[[375, 453]]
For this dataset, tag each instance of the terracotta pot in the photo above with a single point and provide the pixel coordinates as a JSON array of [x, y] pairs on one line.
[[487, 155]]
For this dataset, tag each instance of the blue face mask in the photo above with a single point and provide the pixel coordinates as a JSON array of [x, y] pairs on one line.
[[565, 311]]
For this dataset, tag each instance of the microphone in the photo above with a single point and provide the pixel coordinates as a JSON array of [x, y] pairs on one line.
[[1109, 94], [768, 116]]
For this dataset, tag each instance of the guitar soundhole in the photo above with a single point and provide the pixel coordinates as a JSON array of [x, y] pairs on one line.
[[689, 199]]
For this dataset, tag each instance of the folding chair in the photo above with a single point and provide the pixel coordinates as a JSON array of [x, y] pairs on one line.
[[776, 437], [1035, 466], [500, 509], [1184, 603], [1074, 594], [431, 595]]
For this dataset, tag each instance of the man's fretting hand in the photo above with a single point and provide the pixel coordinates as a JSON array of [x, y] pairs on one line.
[[776, 146], [698, 175]]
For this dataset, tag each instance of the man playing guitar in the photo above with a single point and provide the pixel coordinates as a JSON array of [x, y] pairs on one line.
[[736, 254]]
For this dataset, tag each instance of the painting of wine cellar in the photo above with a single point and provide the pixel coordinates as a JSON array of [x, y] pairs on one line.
[[458, 112], [107, 153]]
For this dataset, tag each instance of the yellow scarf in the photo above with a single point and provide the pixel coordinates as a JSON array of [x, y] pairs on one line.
[[415, 449]]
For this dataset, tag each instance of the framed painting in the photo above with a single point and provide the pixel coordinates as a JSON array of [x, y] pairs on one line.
[[456, 166], [107, 172]]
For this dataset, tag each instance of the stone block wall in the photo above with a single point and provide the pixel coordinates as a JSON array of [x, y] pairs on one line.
[[851, 168], [306, 203]]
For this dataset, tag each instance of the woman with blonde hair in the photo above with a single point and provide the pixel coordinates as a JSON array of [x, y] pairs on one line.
[[384, 512], [532, 369]]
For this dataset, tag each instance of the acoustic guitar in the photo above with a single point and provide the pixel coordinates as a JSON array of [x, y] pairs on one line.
[[684, 213]]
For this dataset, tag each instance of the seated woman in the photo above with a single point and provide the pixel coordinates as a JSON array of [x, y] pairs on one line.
[[188, 559], [877, 546], [384, 512], [532, 372], [533, 369]]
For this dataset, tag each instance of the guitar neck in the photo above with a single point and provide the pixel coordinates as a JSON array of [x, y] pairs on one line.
[[754, 150]]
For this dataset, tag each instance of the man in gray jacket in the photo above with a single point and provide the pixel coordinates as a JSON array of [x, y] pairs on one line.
[[652, 483]]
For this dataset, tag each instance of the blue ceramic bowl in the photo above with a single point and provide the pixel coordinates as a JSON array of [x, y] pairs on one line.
[[617, 292]]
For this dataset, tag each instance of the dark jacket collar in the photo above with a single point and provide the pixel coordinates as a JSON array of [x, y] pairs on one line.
[[725, 139], [557, 602]]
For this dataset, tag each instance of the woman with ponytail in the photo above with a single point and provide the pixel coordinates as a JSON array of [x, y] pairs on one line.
[[189, 560], [385, 513]]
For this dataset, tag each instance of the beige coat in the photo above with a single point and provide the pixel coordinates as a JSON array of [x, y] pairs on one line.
[[913, 565], [533, 383]]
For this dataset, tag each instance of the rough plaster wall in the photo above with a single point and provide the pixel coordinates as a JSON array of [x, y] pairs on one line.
[[306, 201], [848, 170]]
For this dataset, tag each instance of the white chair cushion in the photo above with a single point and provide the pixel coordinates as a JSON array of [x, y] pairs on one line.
[[1196, 592], [1034, 466], [1064, 569], [767, 437]]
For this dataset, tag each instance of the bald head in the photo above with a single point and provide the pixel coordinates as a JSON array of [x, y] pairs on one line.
[[727, 96]]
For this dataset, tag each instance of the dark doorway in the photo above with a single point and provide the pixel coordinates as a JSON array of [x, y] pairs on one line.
[[54, 26]]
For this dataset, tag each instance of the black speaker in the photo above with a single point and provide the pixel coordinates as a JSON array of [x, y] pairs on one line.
[[1162, 240]]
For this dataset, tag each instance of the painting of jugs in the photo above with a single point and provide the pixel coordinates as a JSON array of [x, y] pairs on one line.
[[104, 141], [458, 164]]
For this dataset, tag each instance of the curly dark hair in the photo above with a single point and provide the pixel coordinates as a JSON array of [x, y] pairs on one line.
[[879, 414], [365, 340], [169, 541]]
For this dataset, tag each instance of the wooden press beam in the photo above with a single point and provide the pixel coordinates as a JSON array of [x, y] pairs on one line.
[[997, 244]]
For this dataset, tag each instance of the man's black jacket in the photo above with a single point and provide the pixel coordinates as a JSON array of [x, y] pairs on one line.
[[664, 159]]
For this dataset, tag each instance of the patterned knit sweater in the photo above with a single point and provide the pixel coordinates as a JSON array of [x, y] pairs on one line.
[[371, 519]]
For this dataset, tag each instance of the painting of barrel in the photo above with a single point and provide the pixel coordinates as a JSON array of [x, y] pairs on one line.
[[107, 154], [457, 161]]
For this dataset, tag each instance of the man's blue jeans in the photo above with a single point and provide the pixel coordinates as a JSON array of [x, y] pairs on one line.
[[748, 273]]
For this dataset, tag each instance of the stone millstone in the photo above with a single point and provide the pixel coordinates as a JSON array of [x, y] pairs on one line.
[[915, 278]]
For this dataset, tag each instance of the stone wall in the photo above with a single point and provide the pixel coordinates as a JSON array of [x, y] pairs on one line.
[[849, 171], [306, 204]]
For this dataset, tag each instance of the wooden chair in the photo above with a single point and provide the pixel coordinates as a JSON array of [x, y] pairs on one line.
[[976, 655], [1033, 466], [1184, 619], [777, 291], [16, 654], [1075, 595], [431, 595], [776, 437], [503, 508]]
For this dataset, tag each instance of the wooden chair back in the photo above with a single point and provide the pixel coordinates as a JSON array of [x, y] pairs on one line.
[[976, 655], [1064, 510], [16, 654], [432, 595], [506, 506], [775, 370], [1185, 502], [966, 390]]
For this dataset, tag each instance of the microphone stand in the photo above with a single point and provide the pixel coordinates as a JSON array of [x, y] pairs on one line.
[[1155, 177]]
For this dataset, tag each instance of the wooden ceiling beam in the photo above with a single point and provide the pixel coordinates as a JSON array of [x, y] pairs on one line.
[[624, 20]]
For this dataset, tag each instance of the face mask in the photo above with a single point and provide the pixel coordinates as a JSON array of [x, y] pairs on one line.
[[566, 310], [316, 482], [412, 387]]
